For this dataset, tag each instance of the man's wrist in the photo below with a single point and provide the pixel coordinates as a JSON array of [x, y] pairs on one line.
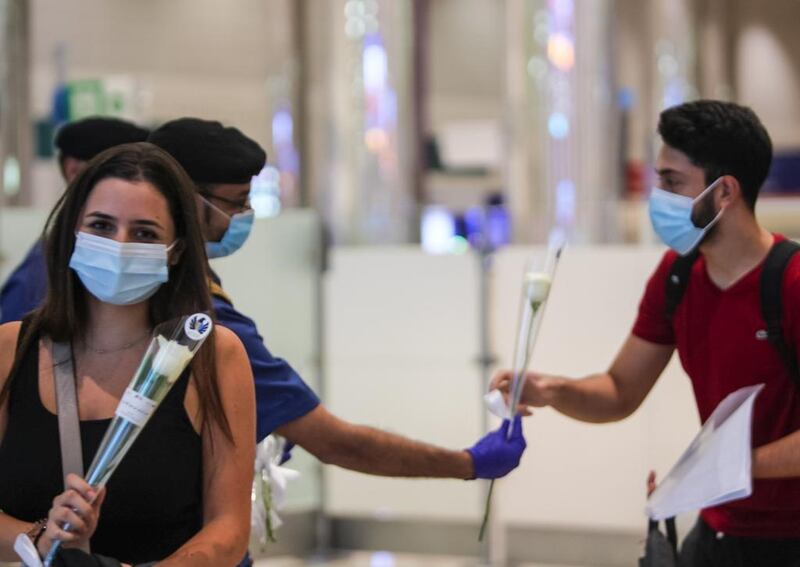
[[757, 463], [466, 465], [554, 386]]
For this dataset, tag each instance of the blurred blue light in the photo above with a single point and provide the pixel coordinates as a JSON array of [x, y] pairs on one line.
[[558, 126], [438, 229], [381, 559], [265, 193], [565, 201], [626, 98], [282, 127], [498, 226], [375, 67]]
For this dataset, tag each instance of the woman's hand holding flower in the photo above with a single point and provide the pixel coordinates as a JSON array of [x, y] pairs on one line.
[[79, 506]]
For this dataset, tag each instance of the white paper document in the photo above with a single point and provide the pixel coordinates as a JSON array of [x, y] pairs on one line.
[[716, 467]]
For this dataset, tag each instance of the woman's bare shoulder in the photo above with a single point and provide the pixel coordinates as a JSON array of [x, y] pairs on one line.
[[233, 366], [227, 343]]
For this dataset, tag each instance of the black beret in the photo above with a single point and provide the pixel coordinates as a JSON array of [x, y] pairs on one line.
[[86, 138], [210, 152]]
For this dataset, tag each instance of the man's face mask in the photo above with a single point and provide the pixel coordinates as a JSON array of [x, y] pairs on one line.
[[671, 216], [236, 234]]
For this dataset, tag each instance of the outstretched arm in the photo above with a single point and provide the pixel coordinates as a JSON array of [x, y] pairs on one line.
[[373, 451], [604, 397]]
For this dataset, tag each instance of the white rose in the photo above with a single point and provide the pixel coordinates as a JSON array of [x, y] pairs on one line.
[[171, 359], [537, 286]]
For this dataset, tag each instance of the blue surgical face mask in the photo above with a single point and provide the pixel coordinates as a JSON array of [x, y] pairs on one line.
[[236, 235], [120, 273], [671, 216]]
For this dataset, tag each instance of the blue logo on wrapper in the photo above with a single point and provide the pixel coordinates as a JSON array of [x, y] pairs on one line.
[[198, 326]]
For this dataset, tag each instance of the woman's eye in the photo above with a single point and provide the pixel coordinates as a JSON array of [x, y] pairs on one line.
[[101, 226], [146, 235]]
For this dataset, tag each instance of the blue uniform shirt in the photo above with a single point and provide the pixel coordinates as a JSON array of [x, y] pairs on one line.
[[281, 395], [25, 288]]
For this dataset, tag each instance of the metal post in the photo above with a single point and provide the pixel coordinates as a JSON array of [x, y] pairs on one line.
[[15, 126]]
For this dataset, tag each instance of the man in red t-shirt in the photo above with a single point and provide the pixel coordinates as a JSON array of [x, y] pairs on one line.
[[714, 159]]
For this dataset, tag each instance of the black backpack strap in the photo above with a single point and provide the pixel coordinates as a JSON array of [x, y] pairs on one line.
[[771, 302], [677, 281]]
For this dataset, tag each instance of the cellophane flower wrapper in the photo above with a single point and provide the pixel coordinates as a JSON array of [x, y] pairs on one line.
[[173, 346], [536, 284]]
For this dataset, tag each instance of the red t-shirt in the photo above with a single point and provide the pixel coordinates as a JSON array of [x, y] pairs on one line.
[[714, 332]]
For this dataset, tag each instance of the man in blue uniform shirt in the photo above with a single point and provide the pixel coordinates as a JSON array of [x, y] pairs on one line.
[[222, 162], [77, 143]]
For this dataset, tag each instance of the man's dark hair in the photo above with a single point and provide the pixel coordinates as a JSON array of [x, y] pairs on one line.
[[722, 138]]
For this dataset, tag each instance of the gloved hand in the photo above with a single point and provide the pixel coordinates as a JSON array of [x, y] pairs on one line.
[[287, 451], [497, 454]]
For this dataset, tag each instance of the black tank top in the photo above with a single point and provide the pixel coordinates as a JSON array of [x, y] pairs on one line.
[[153, 503]]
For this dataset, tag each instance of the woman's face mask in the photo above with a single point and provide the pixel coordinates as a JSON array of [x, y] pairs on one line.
[[120, 273], [671, 216]]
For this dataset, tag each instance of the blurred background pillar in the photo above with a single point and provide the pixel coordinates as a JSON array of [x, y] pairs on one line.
[[360, 120], [674, 24], [16, 145], [562, 143], [716, 35]]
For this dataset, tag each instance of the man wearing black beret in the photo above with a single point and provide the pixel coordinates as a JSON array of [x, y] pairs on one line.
[[222, 161], [77, 143]]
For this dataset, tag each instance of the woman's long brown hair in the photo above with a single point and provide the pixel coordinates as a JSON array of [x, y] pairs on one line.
[[64, 314]]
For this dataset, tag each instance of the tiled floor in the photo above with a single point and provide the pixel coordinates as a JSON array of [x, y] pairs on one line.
[[379, 559]]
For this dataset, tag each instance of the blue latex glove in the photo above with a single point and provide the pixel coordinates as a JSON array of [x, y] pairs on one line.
[[496, 454], [287, 451]]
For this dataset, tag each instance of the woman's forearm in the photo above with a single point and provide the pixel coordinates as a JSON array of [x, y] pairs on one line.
[[221, 543], [10, 528]]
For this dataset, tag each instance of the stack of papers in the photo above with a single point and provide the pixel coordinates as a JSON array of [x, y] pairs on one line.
[[716, 468]]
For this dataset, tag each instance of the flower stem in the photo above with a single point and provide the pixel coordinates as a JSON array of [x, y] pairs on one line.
[[487, 511]]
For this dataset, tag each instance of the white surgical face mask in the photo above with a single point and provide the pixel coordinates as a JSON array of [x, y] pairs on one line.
[[671, 216], [120, 273]]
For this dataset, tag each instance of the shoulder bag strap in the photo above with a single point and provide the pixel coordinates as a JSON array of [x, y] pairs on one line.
[[67, 402]]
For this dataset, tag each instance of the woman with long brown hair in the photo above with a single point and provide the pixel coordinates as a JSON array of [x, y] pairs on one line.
[[125, 253]]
